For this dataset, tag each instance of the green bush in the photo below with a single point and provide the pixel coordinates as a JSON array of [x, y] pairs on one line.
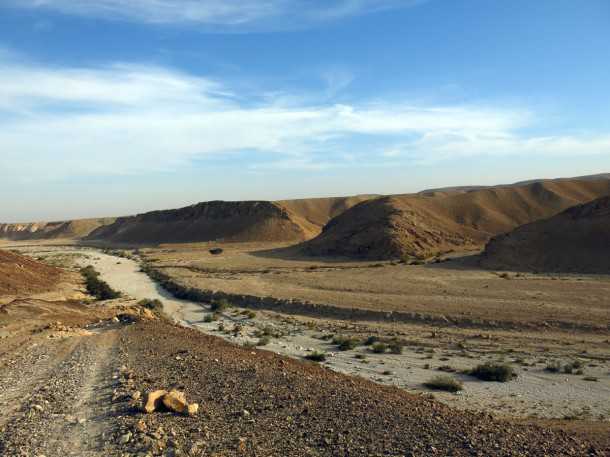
[[396, 347], [553, 367], [210, 318], [345, 343], [493, 372], [268, 331], [316, 356], [573, 367], [264, 341], [96, 287], [445, 383], [220, 305], [379, 348], [371, 340], [154, 305]]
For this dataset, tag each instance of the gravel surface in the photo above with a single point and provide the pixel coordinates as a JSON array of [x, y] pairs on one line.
[[257, 403]]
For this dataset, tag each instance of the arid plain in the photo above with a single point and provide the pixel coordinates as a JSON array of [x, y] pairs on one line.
[[386, 294]]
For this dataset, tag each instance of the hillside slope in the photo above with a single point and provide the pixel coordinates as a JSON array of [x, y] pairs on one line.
[[22, 275], [282, 221], [209, 221], [74, 229], [422, 226], [576, 240]]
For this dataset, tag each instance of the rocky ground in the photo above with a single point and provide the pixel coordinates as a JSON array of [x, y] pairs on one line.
[[69, 391], [73, 378], [427, 350]]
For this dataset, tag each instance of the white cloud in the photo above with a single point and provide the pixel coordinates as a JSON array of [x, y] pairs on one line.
[[122, 119], [232, 13]]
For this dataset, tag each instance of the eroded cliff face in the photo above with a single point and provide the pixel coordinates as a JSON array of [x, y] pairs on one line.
[[75, 229]]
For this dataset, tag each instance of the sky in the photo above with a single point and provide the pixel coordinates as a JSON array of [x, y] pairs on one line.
[[115, 107]]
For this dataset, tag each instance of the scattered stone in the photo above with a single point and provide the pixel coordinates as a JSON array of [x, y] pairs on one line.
[[193, 408], [126, 438]]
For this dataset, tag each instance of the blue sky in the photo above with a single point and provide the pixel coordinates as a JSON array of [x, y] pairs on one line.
[[111, 107]]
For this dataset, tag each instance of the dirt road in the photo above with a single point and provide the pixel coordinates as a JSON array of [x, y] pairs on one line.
[[56, 396]]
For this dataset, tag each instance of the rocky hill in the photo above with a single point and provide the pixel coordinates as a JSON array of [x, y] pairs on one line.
[[426, 225], [281, 221], [576, 240], [209, 221]]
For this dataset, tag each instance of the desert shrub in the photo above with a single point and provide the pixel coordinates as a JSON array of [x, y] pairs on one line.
[[590, 378], [573, 367], [445, 383], [371, 340], [154, 305], [96, 287], [264, 341], [345, 343], [396, 347], [379, 348], [316, 356], [360, 356], [220, 305], [387, 373], [250, 314], [268, 331], [216, 251], [210, 318], [493, 372], [553, 367]]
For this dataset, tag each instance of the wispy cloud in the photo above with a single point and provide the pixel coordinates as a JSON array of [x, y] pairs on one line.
[[231, 13], [125, 119]]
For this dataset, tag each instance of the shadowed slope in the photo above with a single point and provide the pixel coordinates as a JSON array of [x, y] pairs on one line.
[[423, 226], [576, 240]]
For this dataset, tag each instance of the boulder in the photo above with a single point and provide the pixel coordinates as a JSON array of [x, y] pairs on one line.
[[176, 401], [154, 400]]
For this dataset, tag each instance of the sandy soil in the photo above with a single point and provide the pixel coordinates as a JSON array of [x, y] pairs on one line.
[[535, 392], [455, 288]]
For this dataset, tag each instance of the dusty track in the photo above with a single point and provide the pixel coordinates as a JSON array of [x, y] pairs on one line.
[[58, 400]]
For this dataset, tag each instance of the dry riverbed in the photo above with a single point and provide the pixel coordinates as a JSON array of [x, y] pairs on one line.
[[427, 351]]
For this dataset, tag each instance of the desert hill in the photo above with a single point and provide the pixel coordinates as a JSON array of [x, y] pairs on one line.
[[576, 240], [19, 275], [216, 220], [74, 229], [282, 221], [314, 213], [456, 189], [285, 220], [425, 225]]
